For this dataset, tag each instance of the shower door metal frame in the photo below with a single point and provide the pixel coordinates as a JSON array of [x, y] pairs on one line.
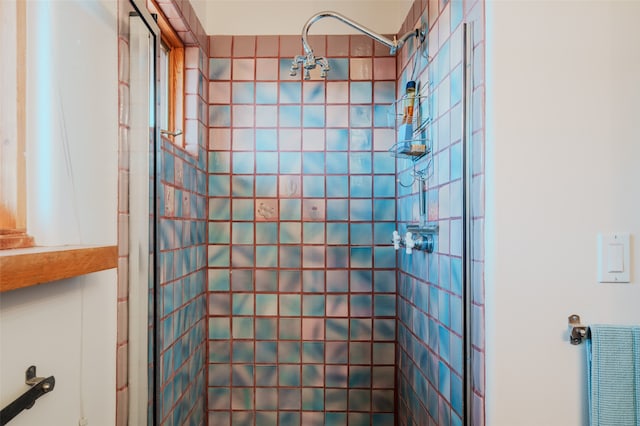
[[153, 350], [467, 219]]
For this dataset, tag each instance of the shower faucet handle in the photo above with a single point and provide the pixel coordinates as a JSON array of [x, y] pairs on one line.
[[409, 242], [396, 240]]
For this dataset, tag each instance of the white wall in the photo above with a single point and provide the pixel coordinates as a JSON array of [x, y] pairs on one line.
[[68, 328], [563, 163], [278, 17]]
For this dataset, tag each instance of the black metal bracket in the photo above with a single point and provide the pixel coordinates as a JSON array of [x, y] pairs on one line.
[[39, 386]]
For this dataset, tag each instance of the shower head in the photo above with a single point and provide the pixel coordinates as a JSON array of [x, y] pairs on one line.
[[309, 61]]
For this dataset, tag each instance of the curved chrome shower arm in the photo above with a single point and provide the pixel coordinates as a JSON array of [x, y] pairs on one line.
[[309, 61], [393, 45]]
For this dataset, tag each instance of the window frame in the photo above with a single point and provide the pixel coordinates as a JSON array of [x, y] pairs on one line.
[[175, 79], [13, 223]]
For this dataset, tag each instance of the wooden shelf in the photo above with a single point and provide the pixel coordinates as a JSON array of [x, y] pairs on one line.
[[21, 268]]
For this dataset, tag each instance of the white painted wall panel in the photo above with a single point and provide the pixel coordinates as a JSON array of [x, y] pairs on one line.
[[68, 328], [563, 164]]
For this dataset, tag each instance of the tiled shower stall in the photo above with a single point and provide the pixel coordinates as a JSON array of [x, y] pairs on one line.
[[282, 298], [305, 296], [302, 300]]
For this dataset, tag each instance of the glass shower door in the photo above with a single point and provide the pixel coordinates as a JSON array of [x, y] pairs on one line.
[[141, 136]]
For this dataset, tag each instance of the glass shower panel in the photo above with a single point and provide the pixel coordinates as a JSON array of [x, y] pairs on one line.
[[434, 289], [141, 136]]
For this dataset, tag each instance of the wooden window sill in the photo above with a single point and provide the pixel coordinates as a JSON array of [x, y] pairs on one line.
[[27, 267], [14, 239]]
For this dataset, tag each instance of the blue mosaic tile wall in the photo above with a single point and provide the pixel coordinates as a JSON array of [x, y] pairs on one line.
[[302, 275]]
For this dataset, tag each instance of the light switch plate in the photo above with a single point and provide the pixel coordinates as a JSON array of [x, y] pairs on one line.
[[613, 258]]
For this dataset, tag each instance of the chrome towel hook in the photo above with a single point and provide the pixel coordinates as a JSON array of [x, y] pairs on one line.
[[577, 331]]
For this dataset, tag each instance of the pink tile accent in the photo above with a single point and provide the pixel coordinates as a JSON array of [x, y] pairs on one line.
[[123, 190], [289, 186], [336, 371], [415, 17], [243, 69], [242, 116], [477, 407], [122, 407], [319, 44], [170, 10], [192, 148], [123, 234], [123, 322], [243, 139], [290, 139], [337, 92], [380, 49], [123, 60], [220, 139], [266, 115], [313, 328], [123, 95], [334, 404], [169, 201], [383, 139], [315, 75], [191, 106], [313, 209], [191, 79], [290, 45], [434, 11], [123, 278], [402, 59], [317, 381], [310, 90], [337, 306], [191, 128], [244, 46], [313, 256], [478, 66], [187, 37], [361, 45], [267, 46], [478, 379], [220, 92], [192, 56], [178, 25], [337, 45], [220, 46], [267, 69], [284, 72], [361, 69], [444, 24], [312, 418], [337, 116], [384, 68], [122, 366], [237, 399], [313, 139], [267, 209]]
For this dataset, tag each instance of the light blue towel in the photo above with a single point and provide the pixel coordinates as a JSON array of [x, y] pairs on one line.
[[613, 360]]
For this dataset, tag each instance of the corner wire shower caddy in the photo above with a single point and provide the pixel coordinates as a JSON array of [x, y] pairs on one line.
[[420, 134]]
